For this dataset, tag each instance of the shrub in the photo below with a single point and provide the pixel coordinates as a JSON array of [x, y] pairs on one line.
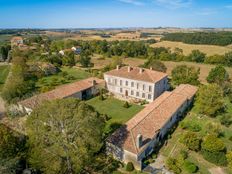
[[101, 97], [172, 164], [230, 138], [190, 125], [218, 158], [190, 167], [191, 140], [184, 154], [214, 129], [213, 150], [226, 120], [129, 167], [126, 105]]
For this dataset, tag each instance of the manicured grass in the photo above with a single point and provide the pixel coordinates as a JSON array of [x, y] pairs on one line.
[[114, 109], [71, 75], [4, 71]]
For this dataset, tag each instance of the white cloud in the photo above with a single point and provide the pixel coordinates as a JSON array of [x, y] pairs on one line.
[[174, 4], [228, 6], [133, 2]]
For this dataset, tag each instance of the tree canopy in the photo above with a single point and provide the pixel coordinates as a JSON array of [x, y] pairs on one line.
[[209, 99], [218, 75], [183, 74], [64, 135]]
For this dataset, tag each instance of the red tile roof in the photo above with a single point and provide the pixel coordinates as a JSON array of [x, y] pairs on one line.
[[60, 92], [147, 75], [151, 119]]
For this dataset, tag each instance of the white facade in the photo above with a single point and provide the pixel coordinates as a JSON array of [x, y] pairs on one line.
[[135, 89]]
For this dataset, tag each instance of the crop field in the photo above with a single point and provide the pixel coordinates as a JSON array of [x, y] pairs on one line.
[[187, 48], [204, 68]]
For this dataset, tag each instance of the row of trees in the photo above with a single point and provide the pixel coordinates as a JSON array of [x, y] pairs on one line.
[[209, 38]]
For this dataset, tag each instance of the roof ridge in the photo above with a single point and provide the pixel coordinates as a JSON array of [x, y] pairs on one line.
[[152, 110], [136, 148]]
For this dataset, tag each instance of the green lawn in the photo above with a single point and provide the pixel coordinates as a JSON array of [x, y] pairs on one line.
[[114, 108], [67, 75], [4, 70]]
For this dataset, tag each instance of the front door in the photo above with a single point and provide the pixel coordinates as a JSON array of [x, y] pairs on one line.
[[126, 93]]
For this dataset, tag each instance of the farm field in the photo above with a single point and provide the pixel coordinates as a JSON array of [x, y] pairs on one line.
[[187, 48], [114, 109], [204, 68], [4, 70]]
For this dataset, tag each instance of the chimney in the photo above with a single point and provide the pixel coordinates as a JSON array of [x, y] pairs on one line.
[[139, 141], [140, 70], [118, 67], [129, 68], [94, 82]]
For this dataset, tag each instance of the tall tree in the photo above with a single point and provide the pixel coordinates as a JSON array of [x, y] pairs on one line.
[[183, 74], [218, 75], [197, 56], [210, 99], [155, 65], [64, 135]]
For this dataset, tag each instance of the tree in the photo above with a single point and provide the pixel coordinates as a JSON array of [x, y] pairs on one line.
[[229, 159], [191, 140], [197, 56], [155, 65], [129, 167], [64, 135], [183, 74], [213, 150], [85, 59], [218, 75], [209, 99], [228, 59], [173, 165], [12, 151], [18, 82]]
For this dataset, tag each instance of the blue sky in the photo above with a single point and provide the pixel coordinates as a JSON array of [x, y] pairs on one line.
[[114, 13]]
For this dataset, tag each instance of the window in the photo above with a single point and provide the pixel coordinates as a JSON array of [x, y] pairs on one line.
[[137, 94], [150, 88], [132, 92], [143, 95], [144, 87], [115, 81], [149, 96], [137, 85], [132, 84], [126, 83], [121, 90], [120, 82]]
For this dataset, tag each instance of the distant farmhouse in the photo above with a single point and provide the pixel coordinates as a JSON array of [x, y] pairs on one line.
[[82, 90], [138, 138], [136, 83], [16, 41]]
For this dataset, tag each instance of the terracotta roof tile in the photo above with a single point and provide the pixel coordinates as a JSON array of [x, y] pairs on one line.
[[147, 75], [60, 92], [151, 119]]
